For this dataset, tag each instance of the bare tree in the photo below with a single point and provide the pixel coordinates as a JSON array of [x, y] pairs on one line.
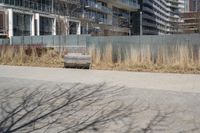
[[67, 10], [75, 109]]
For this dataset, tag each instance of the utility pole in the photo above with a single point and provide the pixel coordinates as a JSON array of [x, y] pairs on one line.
[[141, 28], [129, 23], [87, 28]]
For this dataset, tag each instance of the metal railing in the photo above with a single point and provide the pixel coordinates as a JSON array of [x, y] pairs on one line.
[[98, 6], [28, 4], [3, 31], [130, 3]]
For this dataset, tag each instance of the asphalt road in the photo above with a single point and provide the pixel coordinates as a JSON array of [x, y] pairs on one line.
[[179, 93]]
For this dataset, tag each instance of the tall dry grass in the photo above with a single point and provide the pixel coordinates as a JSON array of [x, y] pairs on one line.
[[174, 58], [33, 55]]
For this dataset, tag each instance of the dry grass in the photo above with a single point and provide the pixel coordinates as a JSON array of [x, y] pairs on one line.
[[173, 59], [31, 56]]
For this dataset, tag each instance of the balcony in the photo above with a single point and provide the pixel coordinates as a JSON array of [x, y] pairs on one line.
[[176, 1], [97, 7], [71, 1], [103, 21], [27, 4], [131, 5], [3, 31], [95, 19]]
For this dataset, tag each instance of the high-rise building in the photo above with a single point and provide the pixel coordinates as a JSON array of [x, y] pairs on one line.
[[195, 5], [108, 17], [62, 17], [186, 6], [158, 17]]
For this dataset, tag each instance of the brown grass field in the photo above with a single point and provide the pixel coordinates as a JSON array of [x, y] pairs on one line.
[[177, 59], [31, 56]]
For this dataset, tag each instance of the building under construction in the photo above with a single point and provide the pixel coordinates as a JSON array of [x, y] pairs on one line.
[[191, 22]]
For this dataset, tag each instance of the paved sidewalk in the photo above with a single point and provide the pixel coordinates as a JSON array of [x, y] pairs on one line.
[[156, 81]]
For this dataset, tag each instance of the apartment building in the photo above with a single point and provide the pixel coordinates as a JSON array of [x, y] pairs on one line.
[[63, 17], [35, 17], [194, 5], [186, 6], [158, 17]]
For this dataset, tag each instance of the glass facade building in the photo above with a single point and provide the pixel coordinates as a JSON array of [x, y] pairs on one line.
[[158, 17], [62, 17]]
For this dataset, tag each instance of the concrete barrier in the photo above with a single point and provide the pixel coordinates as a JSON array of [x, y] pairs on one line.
[[77, 60]]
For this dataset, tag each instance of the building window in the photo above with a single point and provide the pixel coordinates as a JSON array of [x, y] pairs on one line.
[[46, 26], [21, 24]]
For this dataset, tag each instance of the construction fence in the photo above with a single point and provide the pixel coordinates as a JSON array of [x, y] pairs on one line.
[[151, 48], [87, 40]]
